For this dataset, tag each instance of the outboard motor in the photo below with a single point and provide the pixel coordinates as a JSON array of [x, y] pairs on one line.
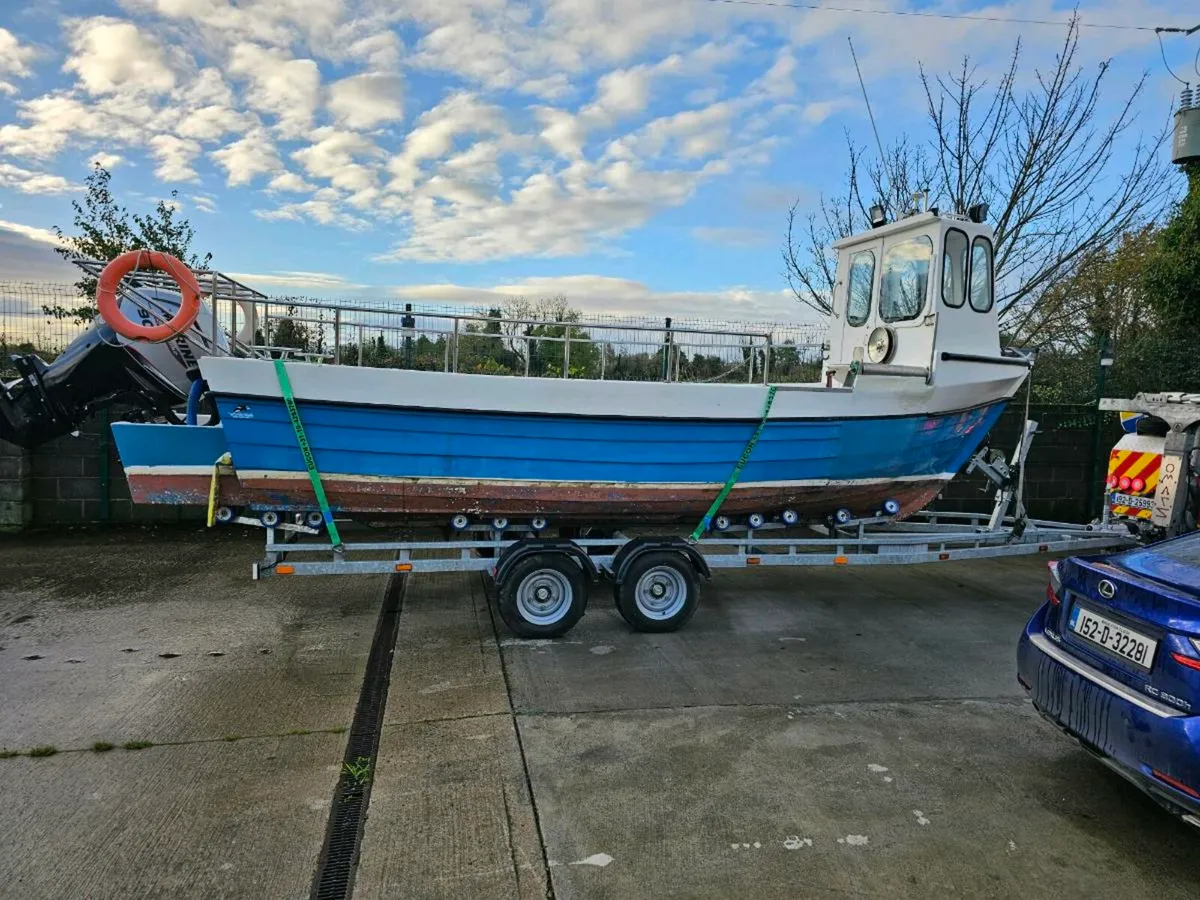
[[100, 369]]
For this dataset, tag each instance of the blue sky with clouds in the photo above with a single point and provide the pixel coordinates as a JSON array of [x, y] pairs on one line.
[[636, 156]]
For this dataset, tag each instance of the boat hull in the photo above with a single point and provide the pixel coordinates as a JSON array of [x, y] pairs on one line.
[[430, 466], [427, 446], [577, 503]]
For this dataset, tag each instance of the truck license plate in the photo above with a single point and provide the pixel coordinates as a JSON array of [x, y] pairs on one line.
[[1131, 501]]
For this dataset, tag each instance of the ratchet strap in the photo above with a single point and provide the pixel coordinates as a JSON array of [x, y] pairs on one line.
[[706, 522], [289, 400]]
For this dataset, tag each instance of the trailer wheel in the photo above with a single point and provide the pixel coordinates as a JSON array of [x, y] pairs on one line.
[[543, 596], [660, 592]]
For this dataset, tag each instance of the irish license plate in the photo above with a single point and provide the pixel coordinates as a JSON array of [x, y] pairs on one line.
[[1131, 501], [1114, 637]]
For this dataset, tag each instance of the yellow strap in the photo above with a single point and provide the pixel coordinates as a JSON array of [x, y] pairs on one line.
[[214, 488]]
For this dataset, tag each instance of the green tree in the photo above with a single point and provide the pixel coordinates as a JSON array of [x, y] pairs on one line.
[[106, 229], [1172, 283]]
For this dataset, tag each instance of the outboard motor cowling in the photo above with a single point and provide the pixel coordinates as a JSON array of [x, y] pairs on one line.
[[101, 369]]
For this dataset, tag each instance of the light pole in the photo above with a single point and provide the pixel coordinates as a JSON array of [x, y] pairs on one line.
[[1104, 363]]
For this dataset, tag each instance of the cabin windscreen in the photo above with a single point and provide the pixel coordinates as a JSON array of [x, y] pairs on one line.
[[905, 280], [859, 287], [954, 269], [981, 275]]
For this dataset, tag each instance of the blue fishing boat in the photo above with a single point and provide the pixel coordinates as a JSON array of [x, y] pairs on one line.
[[914, 380]]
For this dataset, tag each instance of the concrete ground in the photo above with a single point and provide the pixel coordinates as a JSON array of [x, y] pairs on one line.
[[848, 732]]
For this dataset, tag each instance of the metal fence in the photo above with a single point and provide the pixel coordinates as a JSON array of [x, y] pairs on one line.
[[514, 339], [33, 319]]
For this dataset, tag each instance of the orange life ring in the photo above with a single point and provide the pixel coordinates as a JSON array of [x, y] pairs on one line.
[[110, 309]]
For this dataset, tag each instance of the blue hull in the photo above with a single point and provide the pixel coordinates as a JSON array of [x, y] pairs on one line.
[[431, 464], [398, 442]]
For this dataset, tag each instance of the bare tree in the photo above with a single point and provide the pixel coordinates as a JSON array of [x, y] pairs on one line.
[[1044, 159]]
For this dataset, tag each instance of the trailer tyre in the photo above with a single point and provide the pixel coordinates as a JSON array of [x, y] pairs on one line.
[[660, 592], [543, 596]]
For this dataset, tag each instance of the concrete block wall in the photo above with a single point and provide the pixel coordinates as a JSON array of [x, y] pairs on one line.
[[64, 482], [16, 469]]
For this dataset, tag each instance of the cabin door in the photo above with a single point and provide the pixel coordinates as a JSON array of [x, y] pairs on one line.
[[905, 306], [859, 293]]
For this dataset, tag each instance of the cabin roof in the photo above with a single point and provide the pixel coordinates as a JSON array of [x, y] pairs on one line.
[[900, 225]]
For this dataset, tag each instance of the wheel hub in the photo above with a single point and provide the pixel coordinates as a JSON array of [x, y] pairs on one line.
[[660, 593], [544, 597]]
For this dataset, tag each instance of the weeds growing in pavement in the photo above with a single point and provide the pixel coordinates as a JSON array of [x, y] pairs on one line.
[[359, 771]]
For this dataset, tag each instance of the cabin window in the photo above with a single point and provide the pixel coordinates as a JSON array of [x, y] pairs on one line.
[[905, 279], [859, 286], [981, 275], [954, 269]]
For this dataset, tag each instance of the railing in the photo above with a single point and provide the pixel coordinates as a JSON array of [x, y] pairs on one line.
[[561, 345], [354, 334]]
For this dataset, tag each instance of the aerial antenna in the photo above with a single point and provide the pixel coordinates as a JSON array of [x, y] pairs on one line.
[[870, 115]]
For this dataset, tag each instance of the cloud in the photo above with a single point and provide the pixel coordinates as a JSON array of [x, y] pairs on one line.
[[290, 182], [547, 215], [691, 134], [623, 92], [600, 294], [435, 134], [333, 156], [32, 233], [287, 88], [324, 210], [26, 254], [205, 203], [110, 56], [174, 157], [27, 182], [247, 158], [493, 129], [819, 110], [15, 58], [552, 87], [212, 122], [320, 282], [105, 160], [381, 51], [367, 100]]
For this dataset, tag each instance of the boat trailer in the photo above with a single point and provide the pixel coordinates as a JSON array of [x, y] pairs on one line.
[[542, 582]]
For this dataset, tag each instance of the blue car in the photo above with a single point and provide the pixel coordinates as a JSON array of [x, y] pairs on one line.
[[1113, 659]]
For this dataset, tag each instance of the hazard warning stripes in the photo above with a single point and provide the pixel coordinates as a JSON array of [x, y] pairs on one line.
[[1133, 464]]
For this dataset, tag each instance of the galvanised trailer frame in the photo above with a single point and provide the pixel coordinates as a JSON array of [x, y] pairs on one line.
[[542, 581]]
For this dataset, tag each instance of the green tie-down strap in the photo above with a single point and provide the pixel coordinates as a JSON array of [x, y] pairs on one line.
[[706, 522], [289, 400]]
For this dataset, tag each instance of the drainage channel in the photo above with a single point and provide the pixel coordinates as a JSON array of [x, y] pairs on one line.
[[334, 879]]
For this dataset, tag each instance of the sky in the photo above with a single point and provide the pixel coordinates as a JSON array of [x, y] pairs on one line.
[[638, 156]]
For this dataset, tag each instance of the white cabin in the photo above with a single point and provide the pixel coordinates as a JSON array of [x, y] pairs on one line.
[[911, 295]]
